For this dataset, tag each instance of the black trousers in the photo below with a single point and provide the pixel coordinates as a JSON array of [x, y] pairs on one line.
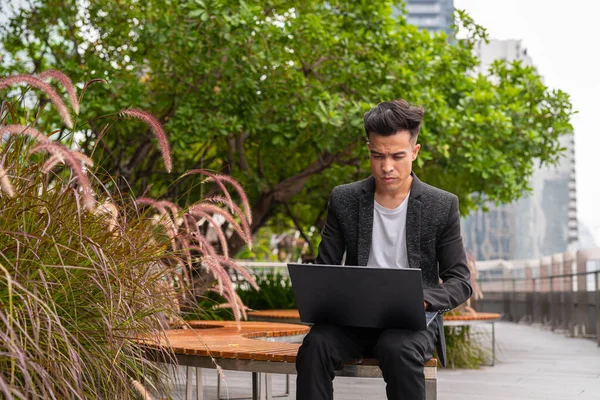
[[400, 353]]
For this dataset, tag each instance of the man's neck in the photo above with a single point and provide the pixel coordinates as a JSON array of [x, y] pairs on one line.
[[389, 199]]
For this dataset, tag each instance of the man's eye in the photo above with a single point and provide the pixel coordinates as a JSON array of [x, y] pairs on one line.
[[398, 157], [377, 157]]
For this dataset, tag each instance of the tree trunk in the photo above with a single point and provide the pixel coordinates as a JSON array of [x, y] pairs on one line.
[[264, 207]]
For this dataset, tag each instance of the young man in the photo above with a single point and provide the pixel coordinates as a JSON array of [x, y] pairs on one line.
[[389, 220]]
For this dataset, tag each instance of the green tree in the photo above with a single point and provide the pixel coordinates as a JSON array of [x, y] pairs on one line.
[[273, 93]]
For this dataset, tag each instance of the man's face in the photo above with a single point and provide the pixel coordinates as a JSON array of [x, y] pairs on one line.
[[391, 159]]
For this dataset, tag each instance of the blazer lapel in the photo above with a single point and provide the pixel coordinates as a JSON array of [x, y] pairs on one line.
[[413, 224], [365, 221]]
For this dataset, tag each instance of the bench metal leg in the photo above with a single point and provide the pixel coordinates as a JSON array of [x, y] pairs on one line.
[[188, 383], [255, 385], [431, 389], [268, 387], [199, 384], [262, 391], [189, 387], [262, 388]]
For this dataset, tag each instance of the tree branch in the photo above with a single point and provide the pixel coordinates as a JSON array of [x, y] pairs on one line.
[[291, 186], [139, 155], [299, 227], [265, 206], [239, 145], [310, 70], [261, 172], [230, 152]]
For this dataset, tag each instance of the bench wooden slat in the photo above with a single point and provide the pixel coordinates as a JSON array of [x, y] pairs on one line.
[[293, 314]]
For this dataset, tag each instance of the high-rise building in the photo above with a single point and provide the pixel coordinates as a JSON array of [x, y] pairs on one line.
[[433, 15], [544, 221], [509, 50]]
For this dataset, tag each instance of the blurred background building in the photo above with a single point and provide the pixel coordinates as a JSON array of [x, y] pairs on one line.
[[433, 15], [541, 223]]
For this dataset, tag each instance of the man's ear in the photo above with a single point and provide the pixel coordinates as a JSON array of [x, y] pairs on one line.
[[415, 151]]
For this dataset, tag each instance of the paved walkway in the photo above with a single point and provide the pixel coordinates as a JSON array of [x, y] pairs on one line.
[[532, 363]]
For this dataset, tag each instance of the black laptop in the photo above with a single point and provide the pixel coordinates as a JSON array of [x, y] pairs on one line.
[[360, 296]]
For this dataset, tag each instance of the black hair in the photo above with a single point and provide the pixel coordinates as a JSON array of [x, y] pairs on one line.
[[389, 117]]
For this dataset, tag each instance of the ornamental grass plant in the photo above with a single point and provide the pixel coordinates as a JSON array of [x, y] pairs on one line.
[[86, 270]]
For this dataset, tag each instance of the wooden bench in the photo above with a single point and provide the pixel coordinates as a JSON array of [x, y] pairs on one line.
[[262, 348], [293, 316]]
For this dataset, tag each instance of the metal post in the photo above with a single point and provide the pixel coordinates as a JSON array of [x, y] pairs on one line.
[[528, 294], [582, 293], [556, 290], [506, 297], [597, 280], [513, 301], [573, 317], [545, 268], [568, 258], [493, 344], [534, 301], [564, 324], [551, 304]]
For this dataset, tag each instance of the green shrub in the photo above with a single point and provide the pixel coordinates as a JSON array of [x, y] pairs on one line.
[[464, 347], [275, 292]]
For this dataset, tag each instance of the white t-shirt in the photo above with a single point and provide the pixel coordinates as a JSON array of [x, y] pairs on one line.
[[388, 247]]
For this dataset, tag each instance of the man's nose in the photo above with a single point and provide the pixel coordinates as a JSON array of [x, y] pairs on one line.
[[387, 165]]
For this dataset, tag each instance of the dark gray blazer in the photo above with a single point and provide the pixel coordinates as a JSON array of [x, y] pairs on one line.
[[433, 241]]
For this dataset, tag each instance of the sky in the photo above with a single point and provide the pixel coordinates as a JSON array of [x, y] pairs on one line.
[[562, 39]]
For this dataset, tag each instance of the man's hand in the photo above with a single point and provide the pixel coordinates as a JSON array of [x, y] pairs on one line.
[[425, 305]]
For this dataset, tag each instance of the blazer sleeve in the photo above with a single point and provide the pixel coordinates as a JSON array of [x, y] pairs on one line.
[[454, 272], [333, 245]]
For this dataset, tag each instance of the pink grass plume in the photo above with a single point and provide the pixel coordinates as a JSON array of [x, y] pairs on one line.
[[211, 178], [74, 162], [211, 208], [236, 210], [240, 191], [43, 86], [57, 159], [5, 184], [245, 272], [65, 81], [165, 218], [51, 163], [199, 212], [24, 130], [158, 131]]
